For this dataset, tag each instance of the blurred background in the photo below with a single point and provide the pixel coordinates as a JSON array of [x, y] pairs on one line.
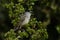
[[43, 25]]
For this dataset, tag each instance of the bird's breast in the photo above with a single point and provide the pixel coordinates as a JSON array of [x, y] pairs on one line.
[[25, 21]]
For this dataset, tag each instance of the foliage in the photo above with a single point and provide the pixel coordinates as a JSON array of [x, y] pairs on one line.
[[36, 28]]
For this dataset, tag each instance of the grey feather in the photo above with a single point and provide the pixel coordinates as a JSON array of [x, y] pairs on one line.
[[24, 19]]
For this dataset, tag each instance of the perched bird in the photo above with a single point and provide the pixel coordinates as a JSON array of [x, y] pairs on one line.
[[24, 19]]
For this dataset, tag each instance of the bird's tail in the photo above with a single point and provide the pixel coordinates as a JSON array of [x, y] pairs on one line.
[[17, 28]]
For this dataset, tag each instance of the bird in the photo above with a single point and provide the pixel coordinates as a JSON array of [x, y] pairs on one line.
[[24, 19]]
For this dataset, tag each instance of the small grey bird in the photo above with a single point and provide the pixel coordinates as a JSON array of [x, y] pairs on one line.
[[24, 19]]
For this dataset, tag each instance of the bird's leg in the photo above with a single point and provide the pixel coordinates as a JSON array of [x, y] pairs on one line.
[[19, 27], [16, 28]]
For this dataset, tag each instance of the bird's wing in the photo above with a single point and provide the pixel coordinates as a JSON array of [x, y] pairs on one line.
[[19, 23], [22, 18]]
